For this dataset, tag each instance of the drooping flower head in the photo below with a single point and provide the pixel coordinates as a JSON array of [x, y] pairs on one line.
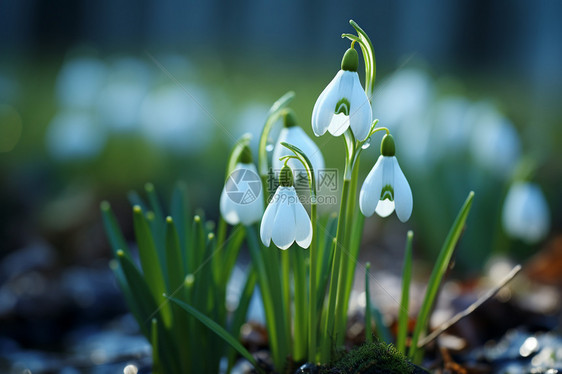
[[343, 103], [241, 199], [386, 188], [295, 135], [525, 212], [285, 220]]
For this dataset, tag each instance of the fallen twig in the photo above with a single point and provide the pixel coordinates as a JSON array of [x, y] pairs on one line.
[[457, 317]]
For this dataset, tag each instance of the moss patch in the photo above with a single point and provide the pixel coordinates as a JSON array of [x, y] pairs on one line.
[[373, 358]]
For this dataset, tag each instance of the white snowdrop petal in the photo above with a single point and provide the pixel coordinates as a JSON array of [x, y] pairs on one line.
[[324, 107], [371, 189], [385, 208], [227, 208], [251, 212], [339, 124], [303, 235], [361, 113], [403, 199], [268, 220], [283, 234], [525, 213]]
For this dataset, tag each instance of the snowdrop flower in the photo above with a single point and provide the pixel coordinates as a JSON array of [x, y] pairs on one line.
[[285, 220], [241, 200], [525, 212], [386, 187], [295, 135], [343, 103]]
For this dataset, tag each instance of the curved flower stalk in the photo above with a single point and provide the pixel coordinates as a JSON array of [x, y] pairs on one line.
[[295, 135], [241, 200], [386, 188], [525, 212], [343, 103], [285, 220]]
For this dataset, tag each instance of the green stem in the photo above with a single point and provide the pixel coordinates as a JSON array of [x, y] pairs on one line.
[[300, 319], [329, 328], [404, 303], [312, 303], [345, 280], [270, 292]]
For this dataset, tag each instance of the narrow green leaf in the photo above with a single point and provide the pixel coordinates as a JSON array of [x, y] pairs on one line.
[[197, 250], [112, 230], [181, 213], [235, 153], [404, 302], [135, 199], [272, 117], [132, 303], [231, 251], [219, 330], [239, 315], [139, 289], [156, 369], [150, 262], [436, 276], [368, 325], [158, 224]]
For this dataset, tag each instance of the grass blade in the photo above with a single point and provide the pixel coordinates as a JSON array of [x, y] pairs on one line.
[[219, 330], [404, 302], [114, 234], [436, 277], [242, 311], [368, 326], [150, 262], [156, 369]]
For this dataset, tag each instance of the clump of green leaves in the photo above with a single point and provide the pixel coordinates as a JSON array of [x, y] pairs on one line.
[[181, 259]]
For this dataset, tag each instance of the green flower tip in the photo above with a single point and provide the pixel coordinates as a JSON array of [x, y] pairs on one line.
[[245, 155], [169, 220], [189, 280], [105, 206], [149, 187], [286, 177], [196, 219], [210, 236], [154, 321], [350, 60], [387, 146], [120, 253], [368, 266], [150, 215], [410, 234], [137, 209], [289, 117]]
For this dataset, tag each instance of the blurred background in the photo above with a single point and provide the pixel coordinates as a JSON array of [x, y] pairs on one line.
[[98, 98]]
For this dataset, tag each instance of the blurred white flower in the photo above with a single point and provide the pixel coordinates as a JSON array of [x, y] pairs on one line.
[[406, 93], [525, 212], [343, 103], [171, 119], [295, 135], [285, 220], [120, 99], [241, 200], [74, 135], [79, 82], [386, 187], [451, 129], [494, 142]]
